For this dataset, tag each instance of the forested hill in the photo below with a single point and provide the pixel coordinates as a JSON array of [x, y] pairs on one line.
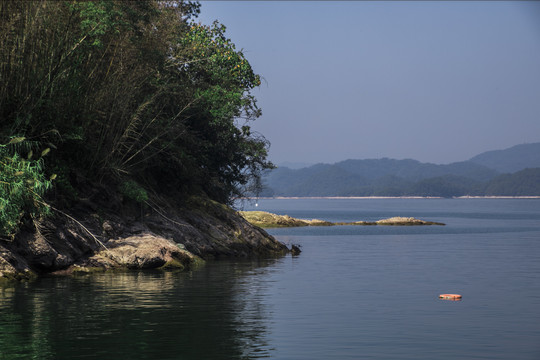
[[389, 177], [512, 159], [134, 95]]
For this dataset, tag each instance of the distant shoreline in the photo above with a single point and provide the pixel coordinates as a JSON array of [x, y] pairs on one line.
[[385, 197]]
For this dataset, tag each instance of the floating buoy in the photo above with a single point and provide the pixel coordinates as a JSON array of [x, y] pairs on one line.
[[450, 296]]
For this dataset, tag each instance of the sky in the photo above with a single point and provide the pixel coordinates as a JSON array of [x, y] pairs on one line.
[[435, 81]]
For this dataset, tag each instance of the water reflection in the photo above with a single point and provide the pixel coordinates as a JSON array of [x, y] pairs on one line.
[[215, 312]]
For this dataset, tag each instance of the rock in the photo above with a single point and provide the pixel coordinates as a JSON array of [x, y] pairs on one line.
[[269, 220], [364, 223], [107, 227], [295, 250], [63, 245], [265, 219], [405, 221], [146, 252], [317, 222]]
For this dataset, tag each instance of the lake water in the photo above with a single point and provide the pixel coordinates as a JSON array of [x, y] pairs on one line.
[[355, 292]]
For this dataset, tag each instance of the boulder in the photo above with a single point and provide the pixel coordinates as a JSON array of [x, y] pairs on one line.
[[145, 251]]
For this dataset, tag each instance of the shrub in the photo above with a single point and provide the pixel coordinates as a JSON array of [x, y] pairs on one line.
[[22, 185], [131, 190]]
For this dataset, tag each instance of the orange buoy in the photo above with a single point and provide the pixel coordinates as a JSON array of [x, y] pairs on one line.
[[450, 296]]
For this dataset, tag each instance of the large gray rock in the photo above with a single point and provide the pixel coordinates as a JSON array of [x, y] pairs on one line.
[[145, 252]]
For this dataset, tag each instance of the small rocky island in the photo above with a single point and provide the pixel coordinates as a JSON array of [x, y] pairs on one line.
[[268, 220]]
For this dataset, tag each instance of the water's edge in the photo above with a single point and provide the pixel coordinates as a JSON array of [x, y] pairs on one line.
[[171, 238]]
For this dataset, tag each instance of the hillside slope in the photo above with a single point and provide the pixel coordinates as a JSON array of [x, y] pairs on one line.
[[522, 183], [510, 160]]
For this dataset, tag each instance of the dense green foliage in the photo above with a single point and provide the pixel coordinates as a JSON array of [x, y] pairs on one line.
[[133, 191], [22, 185], [130, 90], [521, 183]]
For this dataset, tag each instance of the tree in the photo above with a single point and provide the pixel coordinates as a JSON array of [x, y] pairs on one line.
[[122, 90]]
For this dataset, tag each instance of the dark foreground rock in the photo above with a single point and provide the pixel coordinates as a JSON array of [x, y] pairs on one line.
[[101, 234]]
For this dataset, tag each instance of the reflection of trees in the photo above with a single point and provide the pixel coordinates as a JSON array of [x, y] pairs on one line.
[[24, 330], [215, 312], [253, 311]]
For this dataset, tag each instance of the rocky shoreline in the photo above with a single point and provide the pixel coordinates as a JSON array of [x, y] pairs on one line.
[[103, 233], [265, 219]]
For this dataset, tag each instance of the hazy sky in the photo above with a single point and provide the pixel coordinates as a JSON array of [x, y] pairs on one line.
[[433, 81]]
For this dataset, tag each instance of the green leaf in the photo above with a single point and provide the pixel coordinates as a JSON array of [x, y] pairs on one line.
[[17, 140]]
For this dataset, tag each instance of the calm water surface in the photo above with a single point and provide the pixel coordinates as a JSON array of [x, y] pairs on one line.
[[354, 293]]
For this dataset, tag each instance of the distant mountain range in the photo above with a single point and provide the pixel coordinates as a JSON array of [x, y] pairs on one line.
[[510, 172], [510, 160]]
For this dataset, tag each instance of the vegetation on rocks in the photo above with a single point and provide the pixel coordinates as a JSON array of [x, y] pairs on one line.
[[114, 116], [131, 93]]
